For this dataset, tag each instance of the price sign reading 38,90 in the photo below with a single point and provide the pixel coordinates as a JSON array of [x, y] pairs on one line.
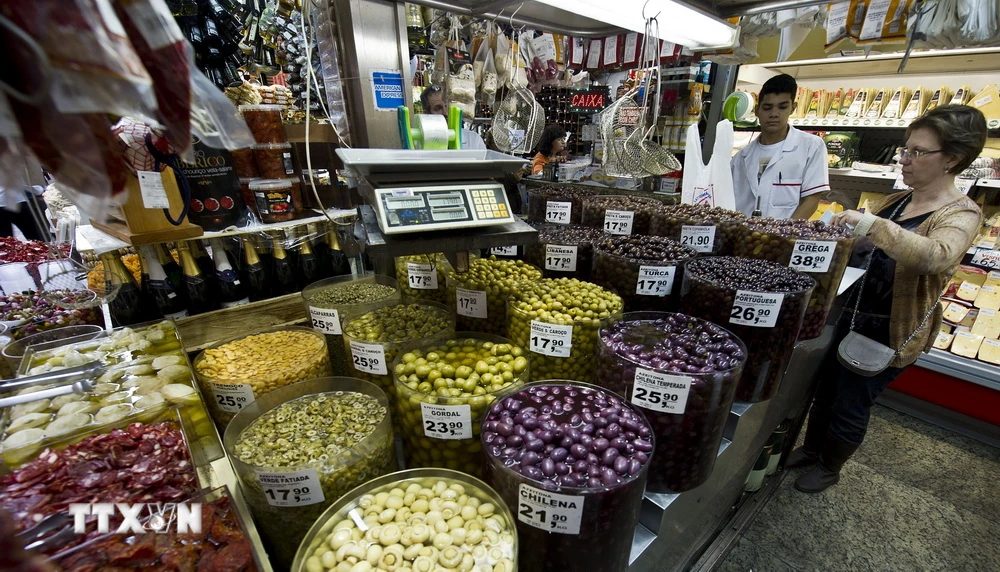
[[812, 255], [757, 309]]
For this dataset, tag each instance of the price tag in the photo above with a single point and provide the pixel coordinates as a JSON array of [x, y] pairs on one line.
[[326, 320], [421, 276], [655, 280], [987, 258], [231, 397], [550, 339], [660, 391], [812, 255], [297, 488], [368, 358], [560, 258], [965, 185], [618, 222], [549, 511], [757, 309], [154, 196], [700, 238], [509, 251], [447, 421], [470, 303], [558, 212]]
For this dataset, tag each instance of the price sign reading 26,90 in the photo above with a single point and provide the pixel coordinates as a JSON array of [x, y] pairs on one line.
[[757, 309]]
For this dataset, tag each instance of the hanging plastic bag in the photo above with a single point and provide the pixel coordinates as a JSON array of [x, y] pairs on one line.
[[460, 83], [544, 60], [479, 63], [501, 59], [214, 119], [488, 90], [710, 184]]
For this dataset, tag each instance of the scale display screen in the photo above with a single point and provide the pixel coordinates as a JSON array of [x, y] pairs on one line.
[[397, 203], [446, 200], [441, 207], [449, 214]]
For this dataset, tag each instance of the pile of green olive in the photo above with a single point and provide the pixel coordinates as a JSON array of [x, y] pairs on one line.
[[479, 295]]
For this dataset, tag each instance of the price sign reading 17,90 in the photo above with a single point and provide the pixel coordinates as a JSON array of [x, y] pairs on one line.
[[550, 339], [757, 309], [558, 212], [297, 488]]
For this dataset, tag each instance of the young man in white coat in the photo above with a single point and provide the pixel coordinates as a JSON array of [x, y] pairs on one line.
[[783, 172]]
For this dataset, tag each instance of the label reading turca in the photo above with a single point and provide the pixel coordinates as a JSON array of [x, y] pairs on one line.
[[368, 358], [297, 488], [560, 258], [655, 280], [549, 511], [550, 339], [757, 309], [447, 421], [812, 255]]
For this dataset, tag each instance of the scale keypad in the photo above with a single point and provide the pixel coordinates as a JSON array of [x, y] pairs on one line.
[[487, 204]]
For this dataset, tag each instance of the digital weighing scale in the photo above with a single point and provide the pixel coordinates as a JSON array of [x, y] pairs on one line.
[[417, 190]]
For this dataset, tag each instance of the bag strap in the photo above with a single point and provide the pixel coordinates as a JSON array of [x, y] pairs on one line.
[[861, 287]]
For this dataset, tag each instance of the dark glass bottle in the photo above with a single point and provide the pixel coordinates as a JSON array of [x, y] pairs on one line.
[[333, 261], [125, 305], [197, 285], [232, 291], [255, 272], [149, 308], [285, 281], [163, 291], [169, 265], [210, 32], [201, 257], [308, 263]]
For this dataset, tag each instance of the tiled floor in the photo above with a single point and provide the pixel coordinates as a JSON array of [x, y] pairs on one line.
[[914, 497]]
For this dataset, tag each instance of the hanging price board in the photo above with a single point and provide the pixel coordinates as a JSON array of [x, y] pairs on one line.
[[812, 255], [700, 238], [470, 303], [560, 258], [757, 309]]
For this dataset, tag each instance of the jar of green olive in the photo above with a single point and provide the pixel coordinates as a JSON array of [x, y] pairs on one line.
[[423, 277], [479, 295]]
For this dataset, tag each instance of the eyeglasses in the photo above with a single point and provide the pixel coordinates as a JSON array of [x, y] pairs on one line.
[[905, 153]]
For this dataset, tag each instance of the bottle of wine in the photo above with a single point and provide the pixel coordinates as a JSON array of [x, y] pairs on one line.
[[284, 268], [210, 33], [201, 257], [232, 292], [164, 293], [197, 286], [149, 308], [255, 272], [169, 265], [308, 263], [125, 307], [338, 261]]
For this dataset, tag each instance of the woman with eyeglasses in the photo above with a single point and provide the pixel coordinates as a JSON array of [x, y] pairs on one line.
[[911, 243]]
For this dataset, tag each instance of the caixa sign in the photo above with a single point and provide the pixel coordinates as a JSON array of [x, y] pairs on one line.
[[183, 518]]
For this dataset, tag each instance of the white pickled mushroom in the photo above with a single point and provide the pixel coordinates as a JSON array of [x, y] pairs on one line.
[[58, 402], [113, 413], [76, 407], [21, 438], [104, 388], [29, 407], [163, 361], [144, 369], [43, 368], [179, 393], [29, 421], [67, 424], [175, 372], [75, 358], [149, 401], [117, 397], [155, 335], [111, 375]]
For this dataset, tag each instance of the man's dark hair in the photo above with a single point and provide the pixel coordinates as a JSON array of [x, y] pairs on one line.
[[549, 136], [425, 96], [779, 84]]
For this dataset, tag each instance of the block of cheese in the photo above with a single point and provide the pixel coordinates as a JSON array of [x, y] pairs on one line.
[[992, 279], [943, 340], [835, 100], [962, 96], [897, 103], [860, 103], [969, 319], [987, 324], [966, 344], [989, 352], [816, 104], [845, 103], [955, 312], [877, 105], [918, 103], [988, 101], [989, 298], [940, 97], [967, 291]]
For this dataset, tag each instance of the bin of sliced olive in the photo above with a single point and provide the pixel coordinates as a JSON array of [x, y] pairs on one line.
[[423, 277], [563, 251], [709, 230], [419, 519], [822, 251], [644, 270], [682, 372], [556, 321], [760, 301], [373, 340], [442, 391], [558, 205], [328, 300], [299, 448], [479, 295], [619, 214]]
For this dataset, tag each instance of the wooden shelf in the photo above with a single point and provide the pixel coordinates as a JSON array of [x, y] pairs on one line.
[[203, 330], [920, 62]]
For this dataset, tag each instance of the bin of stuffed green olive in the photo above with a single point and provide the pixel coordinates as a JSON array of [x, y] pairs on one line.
[[644, 270], [299, 448], [619, 214], [479, 295], [557, 205], [563, 251], [708, 230], [556, 321], [235, 372], [822, 251], [328, 300], [373, 339], [424, 277], [442, 390], [418, 519]]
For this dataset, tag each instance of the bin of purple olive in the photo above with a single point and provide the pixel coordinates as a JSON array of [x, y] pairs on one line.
[[644, 270], [709, 230], [682, 372], [557, 205], [760, 301], [563, 251], [571, 460], [619, 214], [812, 247]]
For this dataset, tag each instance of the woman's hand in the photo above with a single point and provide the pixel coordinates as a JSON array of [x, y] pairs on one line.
[[847, 218]]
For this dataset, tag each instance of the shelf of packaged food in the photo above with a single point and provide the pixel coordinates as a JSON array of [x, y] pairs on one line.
[[973, 371], [862, 123], [920, 62]]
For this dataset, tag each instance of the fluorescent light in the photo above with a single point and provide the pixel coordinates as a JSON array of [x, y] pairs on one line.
[[678, 23]]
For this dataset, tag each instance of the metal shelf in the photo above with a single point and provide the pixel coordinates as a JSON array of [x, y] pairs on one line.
[[920, 62], [973, 371], [866, 123]]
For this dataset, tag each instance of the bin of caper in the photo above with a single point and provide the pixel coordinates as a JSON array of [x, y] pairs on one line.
[[442, 390], [644, 270], [479, 295], [328, 300], [708, 230], [822, 251], [556, 321], [418, 519], [558, 205], [298, 449], [563, 251], [234, 373], [373, 340], [619, 214], [424, 277]]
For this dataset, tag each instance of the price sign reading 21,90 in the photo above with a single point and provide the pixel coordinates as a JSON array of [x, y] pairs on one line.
[[757, 309]]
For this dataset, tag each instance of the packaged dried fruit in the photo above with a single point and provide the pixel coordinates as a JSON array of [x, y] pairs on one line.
[[274, 199]]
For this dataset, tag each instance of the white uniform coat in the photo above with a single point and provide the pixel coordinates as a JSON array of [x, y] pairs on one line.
[[795, 172]]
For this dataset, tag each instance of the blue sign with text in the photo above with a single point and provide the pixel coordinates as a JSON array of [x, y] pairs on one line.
[[388, 88]]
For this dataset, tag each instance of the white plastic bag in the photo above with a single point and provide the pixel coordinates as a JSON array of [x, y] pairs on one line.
[[501, 59], [710, 184]]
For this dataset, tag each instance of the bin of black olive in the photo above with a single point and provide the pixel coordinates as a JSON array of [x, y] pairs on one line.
[[619, 214], [709, 230], [760, 301], [570, 460], [644, 270], [682, 372], [478, 296], [812, 247], [563, 251], [557, 205]]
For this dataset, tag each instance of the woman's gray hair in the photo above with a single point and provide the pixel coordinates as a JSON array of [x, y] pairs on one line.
[[961, 129]]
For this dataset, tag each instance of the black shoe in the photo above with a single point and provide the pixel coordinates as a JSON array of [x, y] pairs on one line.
[[827, 472], [801, 458]]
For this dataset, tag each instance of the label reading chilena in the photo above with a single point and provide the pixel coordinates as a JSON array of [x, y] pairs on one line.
[[550, 512]]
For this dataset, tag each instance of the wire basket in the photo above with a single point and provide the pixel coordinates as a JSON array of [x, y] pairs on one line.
[[518, 123]]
